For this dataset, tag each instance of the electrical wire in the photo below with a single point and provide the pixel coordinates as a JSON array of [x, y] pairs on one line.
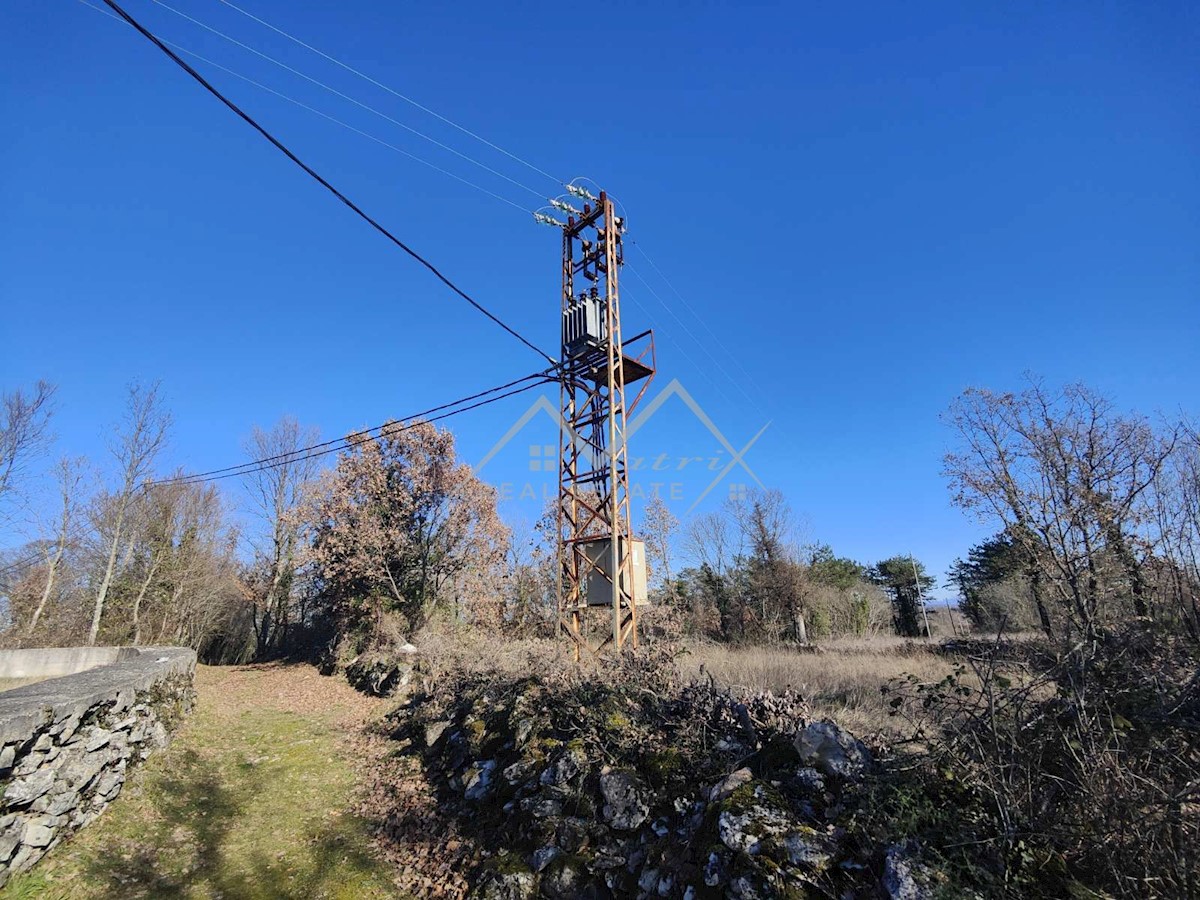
[[636, 274], [394, 93], [346, 97], [446, 410], [538, 378], [73, 534], [670, 335], [637, 246], [383, 431], [323, 115], [687, 306], [115, 7]]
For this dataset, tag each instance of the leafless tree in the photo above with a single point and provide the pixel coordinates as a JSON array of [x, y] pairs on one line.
[[24, 426], [276, 495], [1066, 477], [138, 442], [658, 530], [69, 474]]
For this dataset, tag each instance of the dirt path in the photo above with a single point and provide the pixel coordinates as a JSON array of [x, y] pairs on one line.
[[253, 799]]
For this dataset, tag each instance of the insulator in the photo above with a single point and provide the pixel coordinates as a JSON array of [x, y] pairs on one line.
[[543, 219], [583, 192], [565, 207]]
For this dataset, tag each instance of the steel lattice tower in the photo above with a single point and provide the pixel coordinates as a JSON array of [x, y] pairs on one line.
[[597, 552]]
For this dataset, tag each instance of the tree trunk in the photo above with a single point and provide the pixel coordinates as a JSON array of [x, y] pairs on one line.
[[109, 570], [37, 613], [137, 603]]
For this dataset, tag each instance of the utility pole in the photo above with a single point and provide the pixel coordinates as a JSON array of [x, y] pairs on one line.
[[920, 598], [602, 566]]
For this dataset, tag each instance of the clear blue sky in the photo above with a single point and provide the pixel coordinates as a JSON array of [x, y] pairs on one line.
[[873, 206]]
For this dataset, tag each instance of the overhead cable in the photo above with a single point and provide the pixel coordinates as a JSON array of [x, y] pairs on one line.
[[393, 92], [347, 97], [315, 111], [445, 411], [115, 7]]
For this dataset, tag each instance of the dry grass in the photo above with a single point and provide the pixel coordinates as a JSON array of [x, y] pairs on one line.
[[841, 681]]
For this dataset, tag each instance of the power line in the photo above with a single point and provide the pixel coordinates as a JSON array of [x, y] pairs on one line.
[[383, 431], [702, 346], [112, 4], [335, 444], [347, 97], [625, 295], [736, 360], [393, 92], [470, 133], [73, 534], [446, 410], [323, 115], [483, 190]]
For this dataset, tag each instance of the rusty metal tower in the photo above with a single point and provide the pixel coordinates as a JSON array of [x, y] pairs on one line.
[[603, 574]]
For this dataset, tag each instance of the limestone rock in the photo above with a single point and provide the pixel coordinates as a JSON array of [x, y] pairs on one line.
[[746, 831], [58, 804], [497, 885], [722, 789], [29, 788], [157, 735], [477, 781], [566, 766], [831, 751], [66, 729], [903, 877], [564, 879], [8, 844], [809, 849], [36, 835], [625, 806]]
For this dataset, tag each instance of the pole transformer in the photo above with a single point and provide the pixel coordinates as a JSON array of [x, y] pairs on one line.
[[602, 567]]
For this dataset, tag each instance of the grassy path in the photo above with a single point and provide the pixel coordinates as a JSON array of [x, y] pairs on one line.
[[252, 800]]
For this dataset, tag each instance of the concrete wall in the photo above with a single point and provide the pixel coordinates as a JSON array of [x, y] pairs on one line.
[[67, 743], [51, 662]]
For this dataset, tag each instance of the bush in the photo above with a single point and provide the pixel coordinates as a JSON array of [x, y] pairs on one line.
[[1084, 773]]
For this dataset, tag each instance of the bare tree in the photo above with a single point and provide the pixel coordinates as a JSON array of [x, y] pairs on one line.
[[1066, 477], [659, 527], [137, 445], [69, 474], [24, 425], [276, 495]]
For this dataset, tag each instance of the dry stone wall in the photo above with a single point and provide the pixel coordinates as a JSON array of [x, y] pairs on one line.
[[67, 744]]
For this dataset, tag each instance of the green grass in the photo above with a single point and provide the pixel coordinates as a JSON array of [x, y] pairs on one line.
[[251, 801]]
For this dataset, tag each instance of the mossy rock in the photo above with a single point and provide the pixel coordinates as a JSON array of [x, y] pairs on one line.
[[663, 766]]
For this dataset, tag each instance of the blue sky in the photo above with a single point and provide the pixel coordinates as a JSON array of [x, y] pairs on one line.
[[872, 207]]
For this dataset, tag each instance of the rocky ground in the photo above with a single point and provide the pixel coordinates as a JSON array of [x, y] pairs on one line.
[[285, 783], [622, 786]]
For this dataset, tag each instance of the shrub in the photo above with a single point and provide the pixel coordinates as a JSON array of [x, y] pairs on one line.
[[1084, 773]]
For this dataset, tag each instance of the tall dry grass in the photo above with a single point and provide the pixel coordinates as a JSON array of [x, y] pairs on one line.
[[840, 681]]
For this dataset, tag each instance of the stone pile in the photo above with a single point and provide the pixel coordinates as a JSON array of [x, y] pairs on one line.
[[62, 764], [597, 789]]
